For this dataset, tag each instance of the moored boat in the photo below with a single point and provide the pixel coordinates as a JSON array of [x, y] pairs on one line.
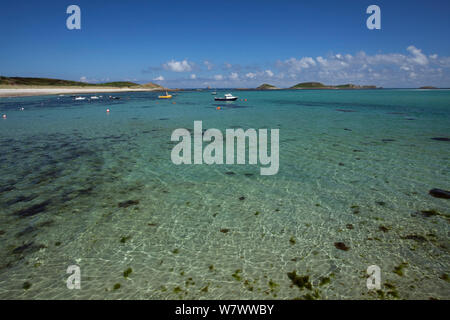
[[227, 97], [167, 96]]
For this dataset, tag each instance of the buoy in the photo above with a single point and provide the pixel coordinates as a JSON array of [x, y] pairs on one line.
[[107, 110], [4, 116], [245, 99], [218, 108], [22, 108]]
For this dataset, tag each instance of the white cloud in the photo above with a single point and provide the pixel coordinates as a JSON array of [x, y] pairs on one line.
[[298, 64], [178, 66], [418, 57], [193, 76], [208, 65], [410, 68], [234, 76], [160, 78]]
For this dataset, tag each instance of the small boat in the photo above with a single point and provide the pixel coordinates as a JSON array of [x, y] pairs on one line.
[[80, 98], [94, 98], [167, 96], [227, 97]]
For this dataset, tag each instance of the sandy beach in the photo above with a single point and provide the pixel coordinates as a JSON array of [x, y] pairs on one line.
[[20, 92]]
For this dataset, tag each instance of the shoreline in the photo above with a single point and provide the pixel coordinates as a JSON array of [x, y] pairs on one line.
[[39, 91]]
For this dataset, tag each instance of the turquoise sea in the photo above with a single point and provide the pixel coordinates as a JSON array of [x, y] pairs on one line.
[[79, 186]]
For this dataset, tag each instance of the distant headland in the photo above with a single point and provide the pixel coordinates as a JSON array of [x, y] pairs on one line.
[[28, 86], [20, 86]]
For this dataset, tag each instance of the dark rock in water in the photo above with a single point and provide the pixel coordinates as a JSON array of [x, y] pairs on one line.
[[344, 110], [299, 281], [248, 174], [6, 189], [25, 231], [22, 248], [33, 210], [349, 226], [429, 213], [414, 237], [47, 223], [2, 232], [347, 129], [387, 140], [356, 150], [241, 198], [85, 191], [441, 139], [341, 246], [164, 119], [439, 193], [126, 204], [20, 199], [383, 228], [224, 230], [341, 164], [381, 203], [230, 173]]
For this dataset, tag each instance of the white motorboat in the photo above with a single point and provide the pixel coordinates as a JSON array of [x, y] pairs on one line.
[[227, 97]]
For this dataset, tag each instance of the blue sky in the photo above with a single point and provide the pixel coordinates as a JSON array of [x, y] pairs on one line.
[[228, 43]]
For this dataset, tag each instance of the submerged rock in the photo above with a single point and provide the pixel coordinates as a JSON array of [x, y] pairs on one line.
[[26, 285], [19, 199], [441, 139], [33, 210], [22, 248], [126, 204], [439, 193], [415, 237], [429, 213], [341, 246], [25, 231], [29, 247], [6, 189], [299, 281]]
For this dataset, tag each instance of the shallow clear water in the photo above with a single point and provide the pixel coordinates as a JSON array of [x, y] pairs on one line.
[[359, 177]]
